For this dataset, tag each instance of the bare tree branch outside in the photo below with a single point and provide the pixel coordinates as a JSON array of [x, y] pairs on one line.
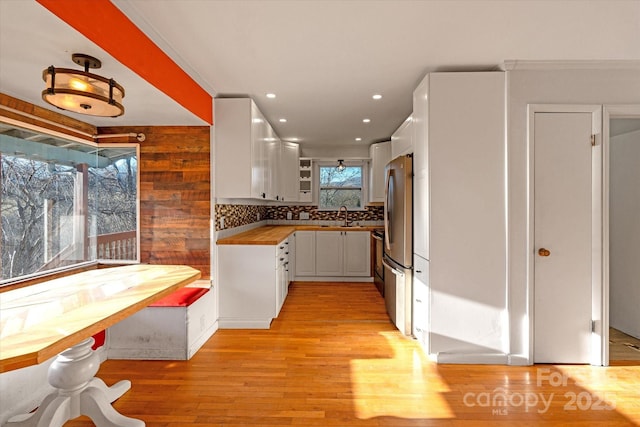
[[340, 187], [39, 203]]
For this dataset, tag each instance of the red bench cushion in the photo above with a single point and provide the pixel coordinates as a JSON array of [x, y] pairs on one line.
[[99, 340], [183, 297]]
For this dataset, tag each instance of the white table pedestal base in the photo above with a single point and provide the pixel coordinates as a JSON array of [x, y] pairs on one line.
[[78, 392]]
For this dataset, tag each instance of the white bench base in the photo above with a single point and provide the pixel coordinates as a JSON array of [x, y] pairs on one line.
[[164, 333]]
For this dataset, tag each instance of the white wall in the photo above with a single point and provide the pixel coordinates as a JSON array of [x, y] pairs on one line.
[[624, 237], [560, 86]]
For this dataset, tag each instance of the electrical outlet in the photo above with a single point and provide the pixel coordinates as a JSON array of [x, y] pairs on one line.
[[289, 215], [258, 216], [222, 222], [304, 215]]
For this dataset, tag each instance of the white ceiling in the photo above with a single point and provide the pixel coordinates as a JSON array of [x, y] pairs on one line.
[[324, 59]]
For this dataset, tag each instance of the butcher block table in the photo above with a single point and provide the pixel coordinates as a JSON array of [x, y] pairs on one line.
[[59, 317]]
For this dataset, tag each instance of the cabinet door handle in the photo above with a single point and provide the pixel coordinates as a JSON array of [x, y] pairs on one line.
[[281, 247], [281, 259], [419, 300], [418, 271]]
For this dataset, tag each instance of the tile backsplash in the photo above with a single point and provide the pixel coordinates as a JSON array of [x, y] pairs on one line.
[[231, 216], [239, 215]]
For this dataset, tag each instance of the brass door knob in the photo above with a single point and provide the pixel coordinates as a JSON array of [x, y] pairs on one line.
[[544, 252]]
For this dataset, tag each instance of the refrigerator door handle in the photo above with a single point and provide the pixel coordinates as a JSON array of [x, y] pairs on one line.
[[393, 269], [387, 229]]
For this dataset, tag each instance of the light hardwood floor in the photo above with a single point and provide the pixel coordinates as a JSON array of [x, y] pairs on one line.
[[623, 346], [332, 358]]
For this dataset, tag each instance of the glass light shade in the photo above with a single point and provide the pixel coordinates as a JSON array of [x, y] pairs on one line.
[[83, 92]]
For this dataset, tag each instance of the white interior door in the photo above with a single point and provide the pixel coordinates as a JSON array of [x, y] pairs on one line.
[[563, 236]]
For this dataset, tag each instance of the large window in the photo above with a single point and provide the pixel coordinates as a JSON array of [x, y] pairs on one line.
[[341, 186], [64, 202]]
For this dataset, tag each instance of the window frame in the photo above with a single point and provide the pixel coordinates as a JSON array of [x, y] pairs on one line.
[[81, 265], [364, 190]]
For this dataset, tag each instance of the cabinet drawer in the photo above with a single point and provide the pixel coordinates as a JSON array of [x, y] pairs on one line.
[[282, 252]]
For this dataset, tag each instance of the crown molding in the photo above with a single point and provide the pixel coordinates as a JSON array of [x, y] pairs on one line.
[[520, 65]]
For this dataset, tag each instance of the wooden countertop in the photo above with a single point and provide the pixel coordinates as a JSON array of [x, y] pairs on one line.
[[39, 321], [274, 234]]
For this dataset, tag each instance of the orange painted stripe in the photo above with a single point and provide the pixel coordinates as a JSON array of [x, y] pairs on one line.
[[105, 25]]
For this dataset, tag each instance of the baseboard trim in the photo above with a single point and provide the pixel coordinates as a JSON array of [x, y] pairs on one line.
[[472, 358], [244, 323], [519, 360], [333, 279]]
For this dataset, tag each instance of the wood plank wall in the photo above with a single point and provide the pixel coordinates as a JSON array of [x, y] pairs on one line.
[[175, 194]]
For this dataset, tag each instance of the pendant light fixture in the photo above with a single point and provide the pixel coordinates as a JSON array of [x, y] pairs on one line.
[[81, 91], [341, 167]]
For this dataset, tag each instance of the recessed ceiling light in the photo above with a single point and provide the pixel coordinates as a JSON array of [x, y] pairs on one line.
[[366, 120], [271, 95], [294, 139], [358, 139], [283, 120], [377, 96]]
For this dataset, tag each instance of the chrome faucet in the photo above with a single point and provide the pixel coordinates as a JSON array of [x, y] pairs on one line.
[[346, 215]]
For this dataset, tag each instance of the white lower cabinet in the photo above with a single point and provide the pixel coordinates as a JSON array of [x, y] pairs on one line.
[[333, 254], [253, 284], [291, 266], [421, 300], [305, 254], [357, 253], [282, 274], [329, 253]]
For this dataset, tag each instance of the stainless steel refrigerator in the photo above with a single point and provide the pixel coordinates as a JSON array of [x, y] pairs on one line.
[[398, 245]]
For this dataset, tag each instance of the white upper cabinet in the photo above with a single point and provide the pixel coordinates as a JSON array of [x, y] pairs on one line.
[[421, 169], [289, 166], [380, 154], [305, 183], [420, 120], [236, 154], [402, 139], [247, 151], [258, 153], [272, 166]]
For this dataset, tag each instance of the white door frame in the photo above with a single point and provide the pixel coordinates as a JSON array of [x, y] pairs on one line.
[[609, 112], [597, 290]]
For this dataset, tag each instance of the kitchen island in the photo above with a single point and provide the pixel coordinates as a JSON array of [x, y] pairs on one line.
[[256, 266]]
